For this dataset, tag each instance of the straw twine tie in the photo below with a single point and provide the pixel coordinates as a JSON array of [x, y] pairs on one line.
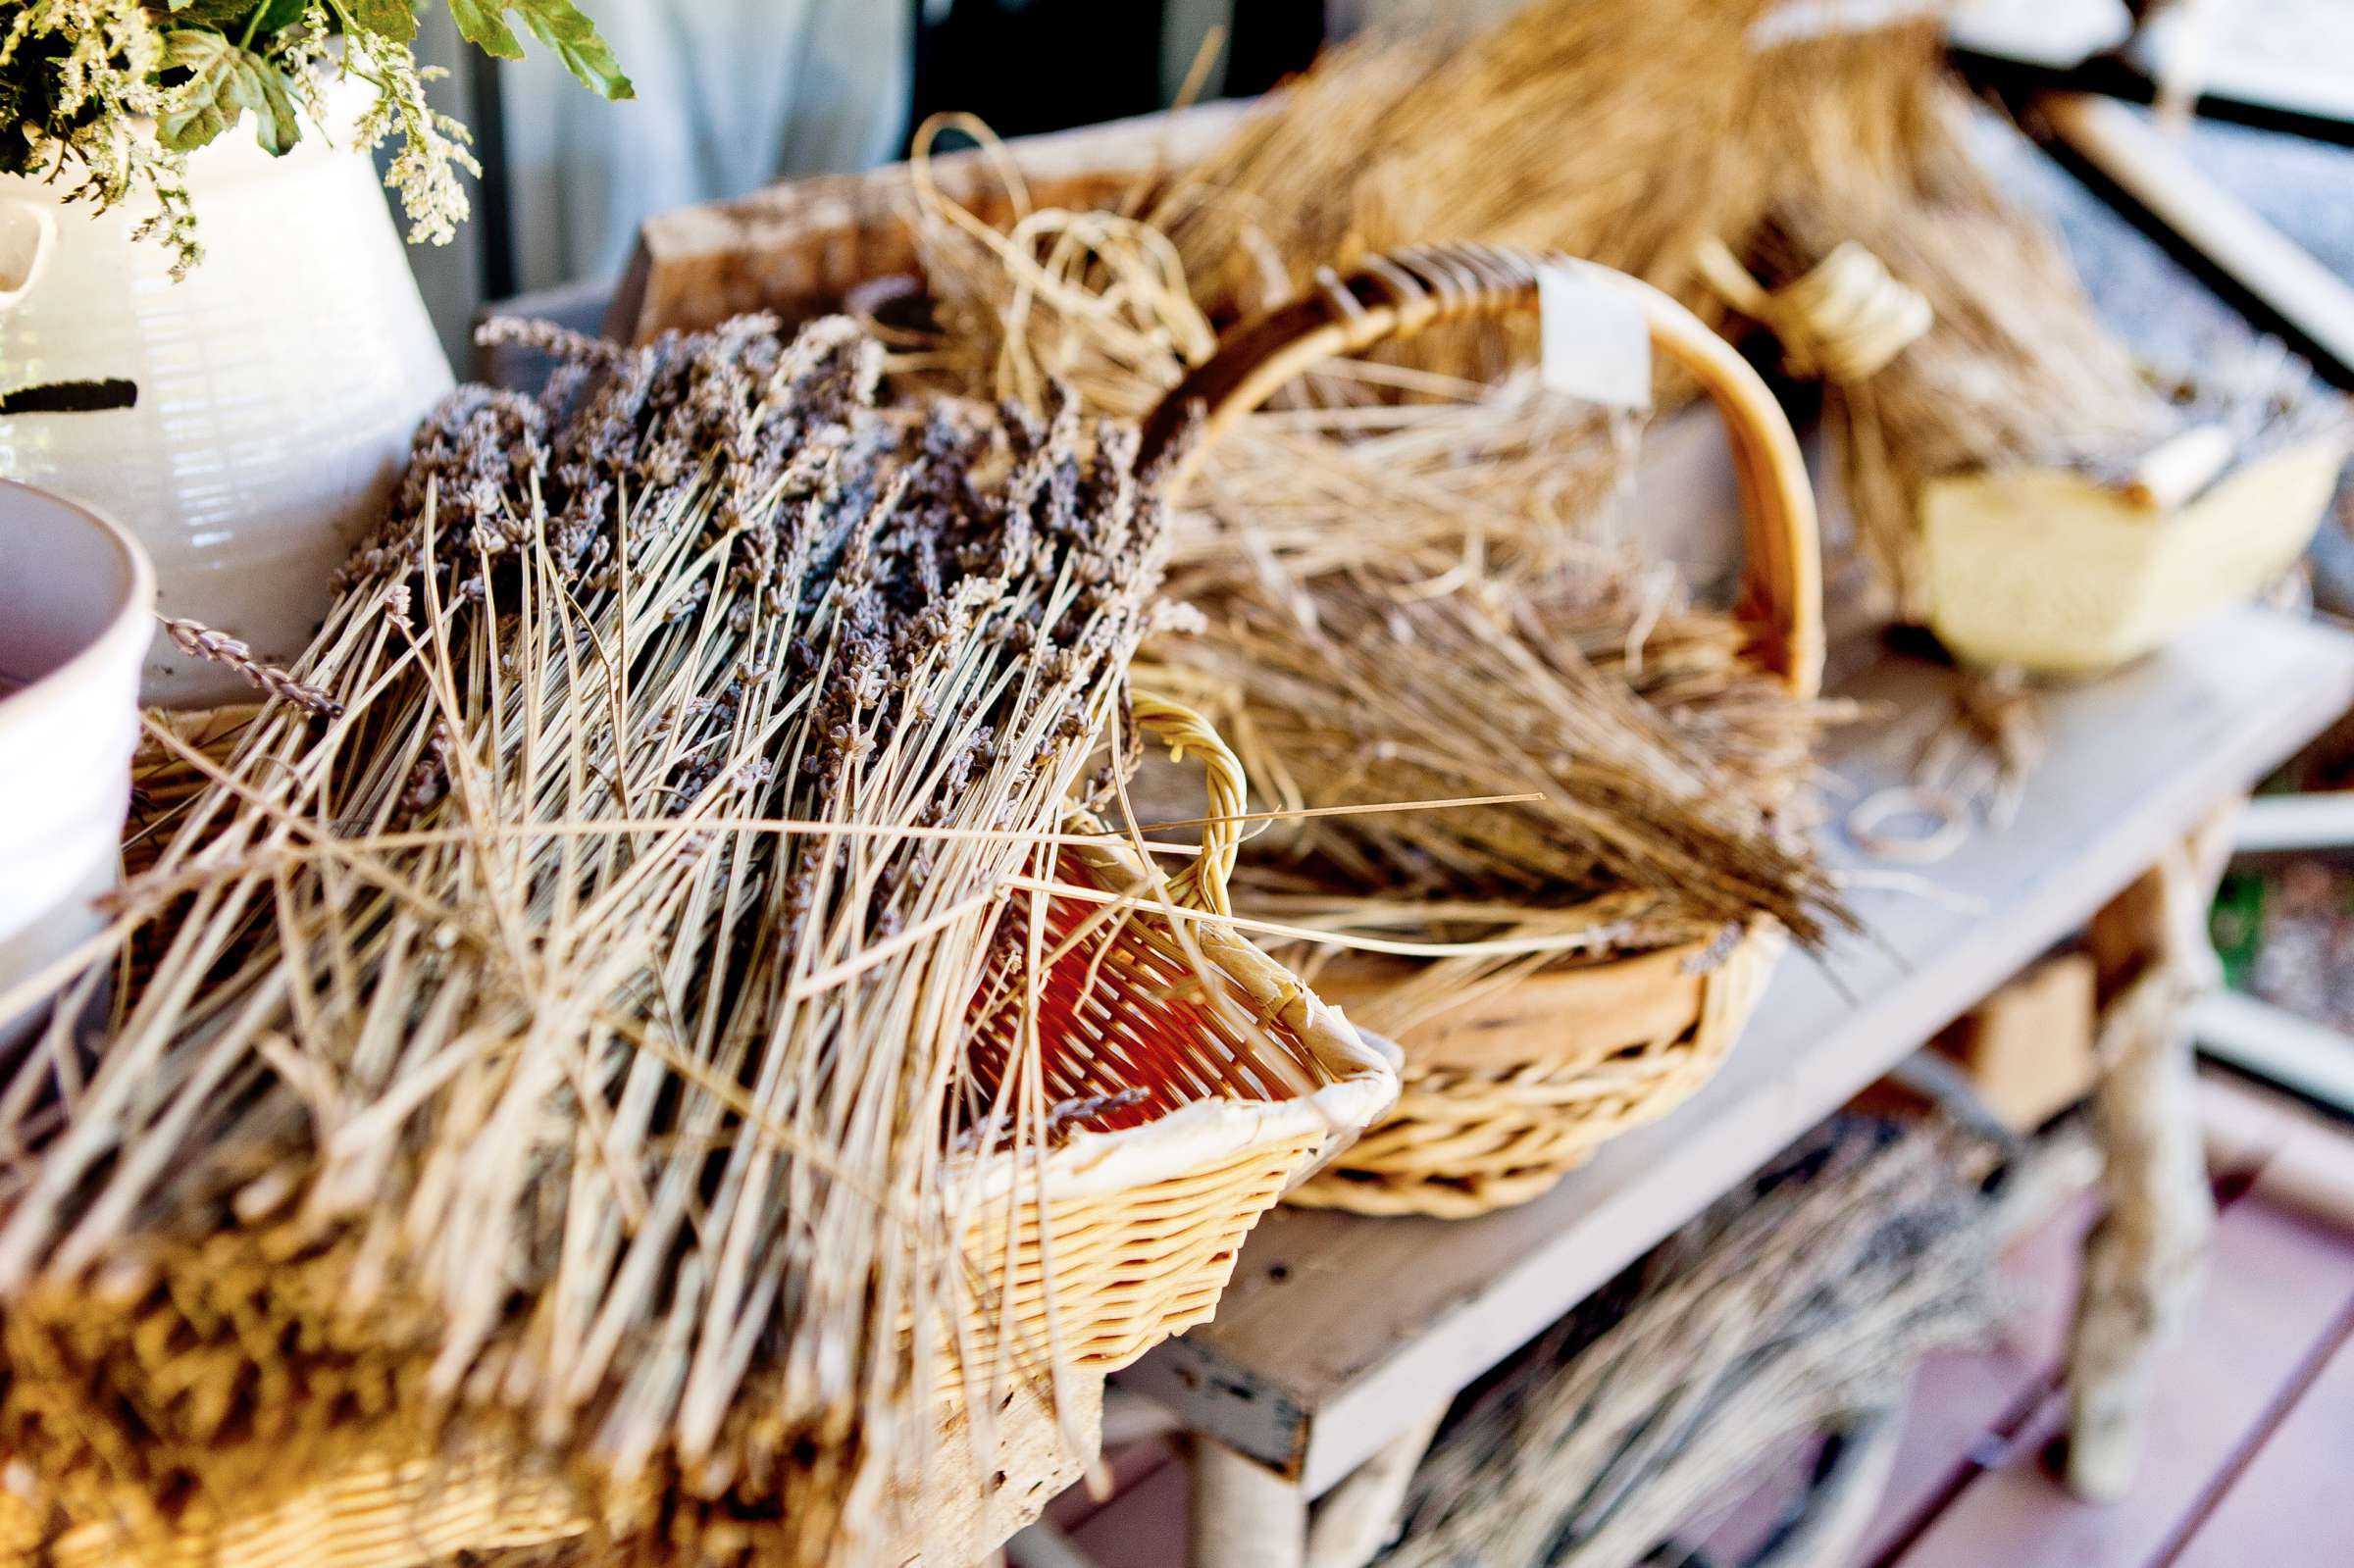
[[1844, 319]]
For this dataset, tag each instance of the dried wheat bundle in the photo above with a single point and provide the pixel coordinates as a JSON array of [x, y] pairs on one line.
[[1647, 739], [1624, 131], [2009, 364], [1418, 589], [1601, 130], [554, 1029], [1803, 1303]]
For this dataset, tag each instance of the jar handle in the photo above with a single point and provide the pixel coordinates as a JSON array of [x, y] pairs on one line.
[[21, 265]]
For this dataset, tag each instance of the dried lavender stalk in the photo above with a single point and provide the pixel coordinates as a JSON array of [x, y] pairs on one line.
[[202, 642], [468, 1047]]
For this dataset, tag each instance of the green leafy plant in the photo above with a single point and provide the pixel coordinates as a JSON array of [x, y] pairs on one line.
[[111, 96]]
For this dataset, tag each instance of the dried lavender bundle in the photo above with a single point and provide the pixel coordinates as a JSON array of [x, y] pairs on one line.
[[562, 1039], [1798, 1305]]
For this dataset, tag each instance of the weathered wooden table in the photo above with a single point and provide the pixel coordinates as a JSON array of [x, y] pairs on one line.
[[1341, 1337]]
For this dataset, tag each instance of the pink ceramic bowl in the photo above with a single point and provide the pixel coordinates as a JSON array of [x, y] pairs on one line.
[[77, 601]]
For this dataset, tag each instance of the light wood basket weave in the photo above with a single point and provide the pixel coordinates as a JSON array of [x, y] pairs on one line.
[[1225, 1081], [1248, 1081], [1518, 1084]]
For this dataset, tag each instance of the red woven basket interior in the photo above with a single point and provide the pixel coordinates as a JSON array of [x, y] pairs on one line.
[[1129, 1034]]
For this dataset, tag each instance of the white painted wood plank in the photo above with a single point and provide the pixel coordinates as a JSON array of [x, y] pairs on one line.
[[1338, 1331], [2276, 823], [2271, 1043], [2149, 166]]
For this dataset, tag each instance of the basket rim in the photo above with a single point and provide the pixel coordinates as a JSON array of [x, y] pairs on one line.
[[1557, 989]]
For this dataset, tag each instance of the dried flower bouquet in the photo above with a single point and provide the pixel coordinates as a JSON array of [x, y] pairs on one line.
[[112, 95]]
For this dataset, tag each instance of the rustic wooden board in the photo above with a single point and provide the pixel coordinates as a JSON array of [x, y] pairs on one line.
[[1338, 1331], [2277, 1291], [2289, 1504], [795, 246]]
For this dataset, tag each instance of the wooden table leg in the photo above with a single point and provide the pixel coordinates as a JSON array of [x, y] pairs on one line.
[[1358, 1517], [2145, 1260], [1245, 1515]]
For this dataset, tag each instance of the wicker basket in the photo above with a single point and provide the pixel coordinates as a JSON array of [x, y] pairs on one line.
[[1243, 1093], [1511, 1088], [1203, 1091], [1516, 1085]]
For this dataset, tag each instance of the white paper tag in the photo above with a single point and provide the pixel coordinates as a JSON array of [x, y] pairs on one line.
[[1596, 343], [1798, 21]]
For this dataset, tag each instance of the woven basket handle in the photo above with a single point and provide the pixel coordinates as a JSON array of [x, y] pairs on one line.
[[1203, 885], [1398, 295]]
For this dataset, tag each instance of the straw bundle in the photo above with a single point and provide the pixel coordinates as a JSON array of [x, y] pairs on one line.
[[1628, 132], [2009, 365], [1417, 590], [1397, 615], [1597, 128], [1624, 131], [1610, 129], [1640, 727], [1803, 1303], [1095, 299], [547, 1027]]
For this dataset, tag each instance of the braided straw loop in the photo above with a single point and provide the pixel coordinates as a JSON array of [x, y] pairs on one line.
[[1203, 884], [1845, 318]]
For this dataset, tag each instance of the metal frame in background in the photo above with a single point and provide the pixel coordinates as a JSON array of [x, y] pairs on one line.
[[2078, 112], [494, 213], [2239, 102]]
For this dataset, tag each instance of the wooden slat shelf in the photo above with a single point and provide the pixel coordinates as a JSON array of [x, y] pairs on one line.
[[1339, 1330]]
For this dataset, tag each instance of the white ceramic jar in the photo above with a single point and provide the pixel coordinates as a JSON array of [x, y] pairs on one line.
[[75, 601], [276, 386]]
